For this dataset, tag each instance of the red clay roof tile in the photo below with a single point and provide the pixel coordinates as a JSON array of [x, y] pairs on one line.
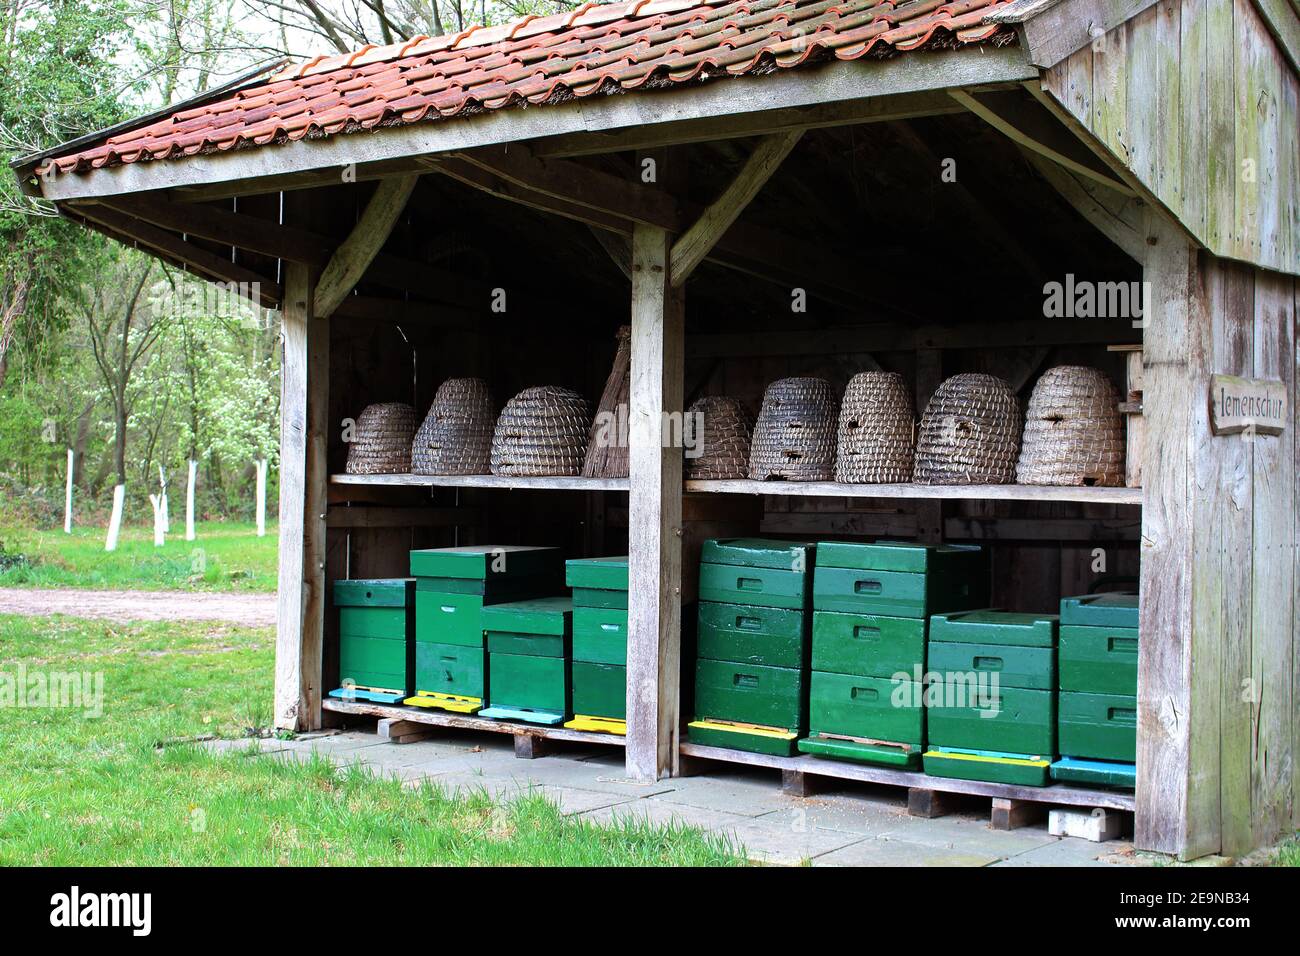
[[606, 46]]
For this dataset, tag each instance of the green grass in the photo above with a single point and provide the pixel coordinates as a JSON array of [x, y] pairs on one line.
[[225, 556], [1288, 854], [89, 791]]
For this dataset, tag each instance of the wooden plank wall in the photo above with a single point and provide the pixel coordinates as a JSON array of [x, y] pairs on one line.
[[1196, 99], [1218, 679]]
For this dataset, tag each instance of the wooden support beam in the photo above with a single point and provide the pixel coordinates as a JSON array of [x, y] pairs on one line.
[[1022, 120], [396, 730], [300, 605], [350, 262], [263, 291], [1014, 814], [654, 511], [578, 184], [1177, 795], [928, 804], [694, 245], [1118, 217], [234, 229], [532, 746], [618, 248]]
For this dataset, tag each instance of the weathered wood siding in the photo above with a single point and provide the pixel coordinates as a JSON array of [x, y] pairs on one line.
[[1221, 581], [1196, 99]]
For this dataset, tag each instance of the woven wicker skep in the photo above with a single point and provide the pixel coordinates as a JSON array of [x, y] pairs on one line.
[[456, 436], [1073, 433], [718, 431], [796, 432], [381, 442], [877, 429], [970, 433], [607, 444], [541, 432]]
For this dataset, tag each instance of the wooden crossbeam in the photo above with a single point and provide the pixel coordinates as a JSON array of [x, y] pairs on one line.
[[485, 180], [266, 292], [1024, 122], [694, 245], [238, 230], [358, 251]]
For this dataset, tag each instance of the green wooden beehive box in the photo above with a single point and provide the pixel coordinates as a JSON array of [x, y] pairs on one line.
[[376, 653], [597, 574], [1099, 660], [990, 626], [897, 579], [776, 637], [1032, 668], [1099, 726], [600, 635], [450, 672], [748, 706], [599, 692], [1015, 720], [869, 719], [757, 572], [867, 644], [1109, 609], [453, 585], [528, 652]]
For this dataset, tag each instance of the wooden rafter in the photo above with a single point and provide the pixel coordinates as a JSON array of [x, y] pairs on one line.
[[694, 245], [351, 260], [1024, 121], [265, 291], [1117, 217], [229, 228]]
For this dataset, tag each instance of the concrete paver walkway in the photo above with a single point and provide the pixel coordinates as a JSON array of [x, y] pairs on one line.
[[247, 610], [856, 825]]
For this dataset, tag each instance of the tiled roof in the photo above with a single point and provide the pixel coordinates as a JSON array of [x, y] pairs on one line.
[[605, 47]]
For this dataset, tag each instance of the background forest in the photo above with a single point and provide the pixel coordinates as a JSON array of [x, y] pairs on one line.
[[132, 364]]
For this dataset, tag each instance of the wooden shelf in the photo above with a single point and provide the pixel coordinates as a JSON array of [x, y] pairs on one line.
[[563, 483], [865, 773], [833, 489], [440, 718]]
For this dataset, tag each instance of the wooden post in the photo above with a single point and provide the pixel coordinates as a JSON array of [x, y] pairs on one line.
[[189, 500], [654, 511], [1178, 704], [115, 519], [300, 612], [261, 497]]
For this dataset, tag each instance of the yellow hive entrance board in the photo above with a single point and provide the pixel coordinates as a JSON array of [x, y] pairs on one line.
[[607, 725], [450, 702]]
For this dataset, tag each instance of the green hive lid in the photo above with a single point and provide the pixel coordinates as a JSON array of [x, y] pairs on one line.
[[759, 553], [889, 555], [548, 615], [373, 592], [604, 574], [1110, 609], [481, 560], [990, 626]]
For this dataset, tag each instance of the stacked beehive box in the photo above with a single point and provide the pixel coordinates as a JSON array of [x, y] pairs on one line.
[[599, 643], [995, 716], [870, 608], [376, 620], [452, 587], [1098, 683], [752, 656], [528, 649]]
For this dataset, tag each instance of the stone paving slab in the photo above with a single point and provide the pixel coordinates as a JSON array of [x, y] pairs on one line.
[[844, 826]]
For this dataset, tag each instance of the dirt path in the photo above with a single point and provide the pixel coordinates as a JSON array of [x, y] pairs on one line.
[[249, 610]]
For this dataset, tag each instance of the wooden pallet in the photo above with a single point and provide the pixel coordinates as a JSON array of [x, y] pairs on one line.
[[927, 796], [402, 724]]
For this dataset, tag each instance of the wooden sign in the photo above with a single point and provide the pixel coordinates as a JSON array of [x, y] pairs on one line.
[[1247, 404]]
